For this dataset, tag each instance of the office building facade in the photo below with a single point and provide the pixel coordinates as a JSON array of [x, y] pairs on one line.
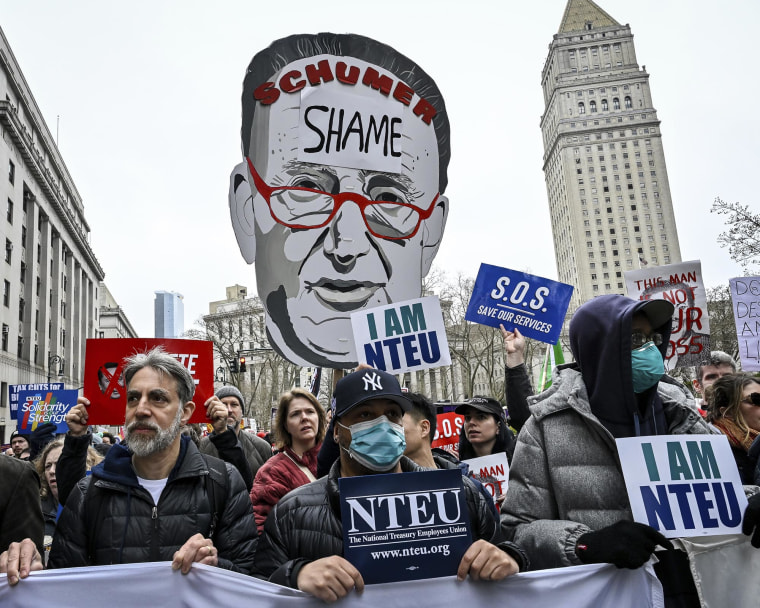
[[169, 311], [49, 273], [604, 163]]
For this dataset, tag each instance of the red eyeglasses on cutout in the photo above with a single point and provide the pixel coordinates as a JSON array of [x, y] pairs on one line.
[[306, 208]]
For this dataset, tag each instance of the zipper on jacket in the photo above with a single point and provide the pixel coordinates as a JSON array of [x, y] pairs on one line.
[[155, 550]]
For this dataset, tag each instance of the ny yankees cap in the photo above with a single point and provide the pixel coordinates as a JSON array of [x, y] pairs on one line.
[[365, 384]]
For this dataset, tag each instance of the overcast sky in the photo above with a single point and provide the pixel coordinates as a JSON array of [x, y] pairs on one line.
[[148, 94]]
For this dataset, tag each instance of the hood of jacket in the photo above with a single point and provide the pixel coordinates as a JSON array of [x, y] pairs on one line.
[[117, 466], [600, 339]]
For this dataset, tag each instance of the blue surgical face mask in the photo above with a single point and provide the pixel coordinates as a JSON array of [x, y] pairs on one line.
[[647, 367], [377, 444]]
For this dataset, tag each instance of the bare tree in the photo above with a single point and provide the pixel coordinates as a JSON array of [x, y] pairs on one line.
[[743, 235], [477, 349], [722, 325], [237, 330]]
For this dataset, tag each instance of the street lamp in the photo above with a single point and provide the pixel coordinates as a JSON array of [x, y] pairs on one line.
[[52, 360], [221, 374]]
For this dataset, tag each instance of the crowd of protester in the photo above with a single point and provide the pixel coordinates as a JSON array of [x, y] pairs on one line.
[[233, 501]]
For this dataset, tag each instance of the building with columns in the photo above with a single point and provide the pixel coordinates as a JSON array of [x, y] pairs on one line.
[[604, 161], [112, 321], [50, 275]]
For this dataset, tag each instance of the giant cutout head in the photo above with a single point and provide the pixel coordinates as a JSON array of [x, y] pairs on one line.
[[339, 198]]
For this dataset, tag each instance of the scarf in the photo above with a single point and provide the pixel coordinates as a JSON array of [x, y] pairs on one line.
[[736, 436]]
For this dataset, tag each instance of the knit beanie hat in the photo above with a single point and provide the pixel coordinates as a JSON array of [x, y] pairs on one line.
[[231, 391]]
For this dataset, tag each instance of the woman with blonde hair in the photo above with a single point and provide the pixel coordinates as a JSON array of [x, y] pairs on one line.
[[735, 410], [46, 465], [299, 428]]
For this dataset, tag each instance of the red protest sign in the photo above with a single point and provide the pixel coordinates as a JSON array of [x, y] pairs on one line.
[[104, 367], [447, 432]]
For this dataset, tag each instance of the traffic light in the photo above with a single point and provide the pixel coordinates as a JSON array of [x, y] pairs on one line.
[[242, 364], [234, 366]]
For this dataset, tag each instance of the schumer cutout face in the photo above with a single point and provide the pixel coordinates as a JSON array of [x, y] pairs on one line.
[[335, 236]]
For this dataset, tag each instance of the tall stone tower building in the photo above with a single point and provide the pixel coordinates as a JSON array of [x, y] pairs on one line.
[[604, 163]]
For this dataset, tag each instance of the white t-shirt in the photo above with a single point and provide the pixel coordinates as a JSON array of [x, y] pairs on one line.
[[154, 486]]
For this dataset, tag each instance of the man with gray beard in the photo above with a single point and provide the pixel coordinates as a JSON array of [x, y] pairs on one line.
[[155, 499]]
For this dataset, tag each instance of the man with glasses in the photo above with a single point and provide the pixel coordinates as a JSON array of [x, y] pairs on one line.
[[339, 198], [567, 503]]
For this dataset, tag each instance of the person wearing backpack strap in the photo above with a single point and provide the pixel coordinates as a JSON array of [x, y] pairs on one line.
[[159, 499]]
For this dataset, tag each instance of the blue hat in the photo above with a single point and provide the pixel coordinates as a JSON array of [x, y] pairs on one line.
[[365, 384]]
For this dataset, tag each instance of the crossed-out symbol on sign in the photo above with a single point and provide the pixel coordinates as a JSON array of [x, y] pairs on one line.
[[114, 389]]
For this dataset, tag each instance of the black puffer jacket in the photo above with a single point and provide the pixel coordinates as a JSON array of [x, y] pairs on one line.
[[129, 528], [305, 525]]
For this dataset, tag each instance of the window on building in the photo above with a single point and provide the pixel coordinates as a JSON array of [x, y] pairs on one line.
[[592, 107], [11, 179], [628, 104], [581, 108], [8, 250], [6, 293], [605, 105], [9, 215], [6, 331]]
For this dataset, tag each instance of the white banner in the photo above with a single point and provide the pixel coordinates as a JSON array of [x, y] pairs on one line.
[[156, 584], [724, 567]]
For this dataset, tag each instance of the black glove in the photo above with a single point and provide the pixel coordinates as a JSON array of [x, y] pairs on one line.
[[752, 520], [40, 437], [627, 544]]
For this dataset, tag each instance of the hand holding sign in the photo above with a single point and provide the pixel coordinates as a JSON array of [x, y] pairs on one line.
[[514, 346], [217, 412], [78, 416]]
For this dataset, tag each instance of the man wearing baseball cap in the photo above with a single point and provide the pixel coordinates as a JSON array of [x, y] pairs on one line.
[[303, 544], [19, 443]]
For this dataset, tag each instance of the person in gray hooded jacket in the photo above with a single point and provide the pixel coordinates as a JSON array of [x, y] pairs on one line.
[[567, 502]]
